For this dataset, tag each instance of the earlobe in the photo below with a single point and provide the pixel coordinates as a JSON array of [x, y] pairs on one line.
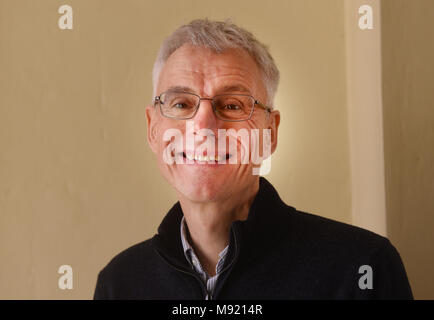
[[153, 134], [152, 131], [274, 126]]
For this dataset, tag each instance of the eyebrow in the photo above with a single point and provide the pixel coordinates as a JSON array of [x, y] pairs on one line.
[[233, 88], [180, 88], [224, 89]]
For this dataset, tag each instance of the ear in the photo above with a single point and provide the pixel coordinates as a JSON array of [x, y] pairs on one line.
[[274, 121], [152, 119]]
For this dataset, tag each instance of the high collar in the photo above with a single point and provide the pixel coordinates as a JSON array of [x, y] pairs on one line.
[[250, 235]]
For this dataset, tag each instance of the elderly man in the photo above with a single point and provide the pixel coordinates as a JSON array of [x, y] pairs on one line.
[[230, 236]]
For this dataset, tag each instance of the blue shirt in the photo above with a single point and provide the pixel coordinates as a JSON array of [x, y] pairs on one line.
[[209, 281]]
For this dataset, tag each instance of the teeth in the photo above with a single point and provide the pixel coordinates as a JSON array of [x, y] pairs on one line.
[[202, 158]]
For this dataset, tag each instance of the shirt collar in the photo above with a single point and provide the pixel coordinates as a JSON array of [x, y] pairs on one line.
[[185, 244], [188, 249]]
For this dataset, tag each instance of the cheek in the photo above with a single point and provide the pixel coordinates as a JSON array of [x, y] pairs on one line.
[[261, 140], [252, 147], [169, 131], [257, 125]]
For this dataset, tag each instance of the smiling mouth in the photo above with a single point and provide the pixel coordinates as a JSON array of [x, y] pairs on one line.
[[205, 158]]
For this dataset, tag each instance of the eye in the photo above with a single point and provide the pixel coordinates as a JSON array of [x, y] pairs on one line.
[[182, 104], [179, 105], [232, 107]]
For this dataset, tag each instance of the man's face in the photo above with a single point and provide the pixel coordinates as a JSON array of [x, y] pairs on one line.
[[207, 74]]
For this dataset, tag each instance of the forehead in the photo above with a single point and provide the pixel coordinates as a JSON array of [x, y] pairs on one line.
[[208, 73]]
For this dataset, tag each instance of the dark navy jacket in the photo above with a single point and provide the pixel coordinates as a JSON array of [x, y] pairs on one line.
[[277, 253]]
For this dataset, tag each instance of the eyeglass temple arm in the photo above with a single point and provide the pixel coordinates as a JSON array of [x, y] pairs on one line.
[[263, 106]]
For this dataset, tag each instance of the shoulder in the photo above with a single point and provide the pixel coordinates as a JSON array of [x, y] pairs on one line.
[[315, 231], [341, 253], [312, 230], [138, 256], [121, 277]]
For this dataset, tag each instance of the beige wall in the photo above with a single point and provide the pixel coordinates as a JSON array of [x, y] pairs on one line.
[[365, 123], [78, 183], [408, 97]]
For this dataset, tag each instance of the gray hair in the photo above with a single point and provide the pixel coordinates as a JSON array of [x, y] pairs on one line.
[[219, 36]]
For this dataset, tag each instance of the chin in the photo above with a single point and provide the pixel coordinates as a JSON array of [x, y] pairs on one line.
[[205, 193], [203, 189]]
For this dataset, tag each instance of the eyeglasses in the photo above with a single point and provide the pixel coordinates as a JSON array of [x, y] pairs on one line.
[[227, 107]]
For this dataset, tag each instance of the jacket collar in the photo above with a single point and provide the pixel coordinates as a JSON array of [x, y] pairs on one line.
[[251, 235]]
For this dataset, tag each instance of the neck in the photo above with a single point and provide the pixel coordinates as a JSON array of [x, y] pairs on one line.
[[209, 223]]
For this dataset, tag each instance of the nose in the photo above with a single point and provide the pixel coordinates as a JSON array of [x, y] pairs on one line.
[[205, 117]]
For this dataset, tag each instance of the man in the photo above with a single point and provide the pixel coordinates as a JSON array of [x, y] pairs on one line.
[[230, 236]]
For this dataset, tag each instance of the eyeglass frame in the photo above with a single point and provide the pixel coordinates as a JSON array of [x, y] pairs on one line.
[[157, 99]]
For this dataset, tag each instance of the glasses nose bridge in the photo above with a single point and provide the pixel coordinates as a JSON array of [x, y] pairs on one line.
[[211, 100], [205, 113]]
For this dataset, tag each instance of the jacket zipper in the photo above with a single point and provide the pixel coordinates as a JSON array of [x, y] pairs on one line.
[[204, 291], [235, 257]]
